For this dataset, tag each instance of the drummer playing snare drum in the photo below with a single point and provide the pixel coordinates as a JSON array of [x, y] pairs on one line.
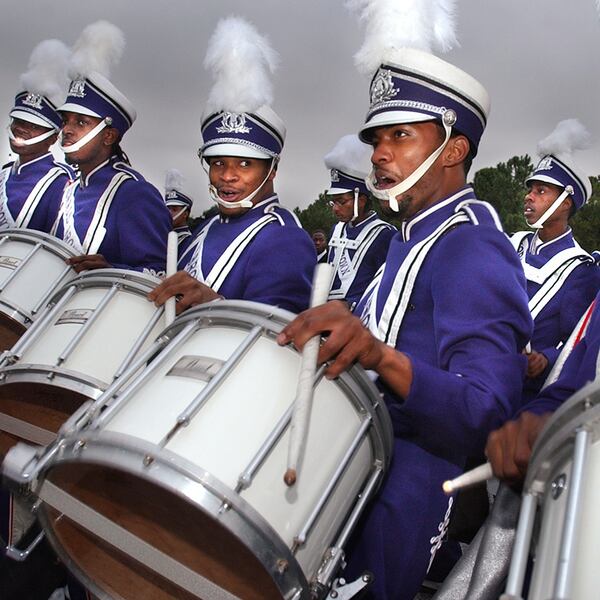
[[109, 213], [254, 249]]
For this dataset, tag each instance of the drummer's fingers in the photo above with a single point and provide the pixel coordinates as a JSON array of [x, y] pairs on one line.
[[171, 286], [314, 321]]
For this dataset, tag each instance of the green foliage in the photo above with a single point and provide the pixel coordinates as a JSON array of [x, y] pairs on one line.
[[317, 215], [586, 222], [503, 186]]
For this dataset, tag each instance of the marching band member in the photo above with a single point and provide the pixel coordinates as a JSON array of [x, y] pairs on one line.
[[319, 238], [359, 242], [445, 322], [562, 278], [109, 213], [180, 206], [254, 249], [31, 186]]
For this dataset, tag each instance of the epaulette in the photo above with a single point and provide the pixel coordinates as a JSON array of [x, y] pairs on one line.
[[69, 171], [480, 213], [274, 210], [125, 168]]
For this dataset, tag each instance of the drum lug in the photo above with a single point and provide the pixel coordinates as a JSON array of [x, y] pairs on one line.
[[340, 590]]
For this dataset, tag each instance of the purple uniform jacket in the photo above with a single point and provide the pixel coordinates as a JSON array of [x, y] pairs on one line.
[[275, 263], [118, 214], [555, 322], [463, 329], [33, 192]]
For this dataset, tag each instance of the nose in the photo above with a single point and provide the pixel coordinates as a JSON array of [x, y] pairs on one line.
[[228, 173], [381, 153]]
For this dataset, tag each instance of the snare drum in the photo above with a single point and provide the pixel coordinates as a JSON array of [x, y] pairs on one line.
[[32, 267], [89, 333], [174, 488], [560, 506]]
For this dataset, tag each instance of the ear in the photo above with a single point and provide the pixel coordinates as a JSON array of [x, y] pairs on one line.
[[110, 136], [456, 151]]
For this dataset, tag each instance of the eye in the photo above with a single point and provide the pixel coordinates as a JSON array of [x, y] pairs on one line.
[[244, 163], [399, 133]]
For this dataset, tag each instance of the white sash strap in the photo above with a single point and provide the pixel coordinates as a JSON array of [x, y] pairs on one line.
[[227, 260], [543, 273], [388, 327], [36, 195], [347, 268], [67, 209], [554, 282], [6, 219]]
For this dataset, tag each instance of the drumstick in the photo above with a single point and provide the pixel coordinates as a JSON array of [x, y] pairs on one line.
[[528, 348], [305, 389], [473, 477], [171, 270]]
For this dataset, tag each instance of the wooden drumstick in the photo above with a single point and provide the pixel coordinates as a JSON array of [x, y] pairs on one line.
[[305, 389], [171, 270], [473, 477]]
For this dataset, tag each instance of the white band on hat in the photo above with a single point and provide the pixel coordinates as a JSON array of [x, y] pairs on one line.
[[552, 208], [88, 137], [31, 141], [391, 193]]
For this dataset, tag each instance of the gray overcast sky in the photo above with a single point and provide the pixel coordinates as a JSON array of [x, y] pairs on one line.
[[539, 59]]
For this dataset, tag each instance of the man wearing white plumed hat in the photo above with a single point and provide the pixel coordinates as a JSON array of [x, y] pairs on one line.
[[444, 324], [254, 249], [109, 213], [359, 242], [31, 186], [180, 206], [562, 278]]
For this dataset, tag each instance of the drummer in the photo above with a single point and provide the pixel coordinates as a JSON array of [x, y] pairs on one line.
[[31, 186], [254, 249], [562, 278], [359, 242], [180, 206], [109, 213], [444, 325]]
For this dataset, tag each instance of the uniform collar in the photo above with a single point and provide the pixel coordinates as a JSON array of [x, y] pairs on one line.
[[18, 167], [551, 247], [84, 182], [426, 221], [370, 217]]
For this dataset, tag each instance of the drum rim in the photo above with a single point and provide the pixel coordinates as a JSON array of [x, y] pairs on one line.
[[133, 281], [50, 242], [15, 312], [127, 453], [557, 437]]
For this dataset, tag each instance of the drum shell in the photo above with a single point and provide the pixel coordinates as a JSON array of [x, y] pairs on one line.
[[35, 262], [39, 388], [202, 463]]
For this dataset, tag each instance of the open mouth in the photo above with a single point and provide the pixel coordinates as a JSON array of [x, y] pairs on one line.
[[384, 181], [229, 195]]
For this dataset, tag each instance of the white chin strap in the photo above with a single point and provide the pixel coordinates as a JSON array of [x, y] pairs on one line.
[[244, 202], [89, 136], [552, 208], [355, 212], [391, 194], [30, 142], [178, 214]]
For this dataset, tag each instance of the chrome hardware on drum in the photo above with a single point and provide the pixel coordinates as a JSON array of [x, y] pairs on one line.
[[89, 333], [561, 498], [32, 267], [173, 485]]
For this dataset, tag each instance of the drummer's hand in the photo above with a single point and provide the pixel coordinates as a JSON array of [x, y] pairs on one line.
[[88, 262], [188, 290], [509, 448], [536, 363], [348, 340]]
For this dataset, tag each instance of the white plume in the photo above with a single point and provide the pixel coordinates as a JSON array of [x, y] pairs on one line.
[[47, 71], [99, 48], [569, 135], [393, 24], [241, 61], [350, 155], [174, 180]]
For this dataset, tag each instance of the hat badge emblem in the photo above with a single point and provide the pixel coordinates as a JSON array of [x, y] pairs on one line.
[[382, 87], [77, 88], [33, 100], [545, 164], [233, 123], [335, 175]]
